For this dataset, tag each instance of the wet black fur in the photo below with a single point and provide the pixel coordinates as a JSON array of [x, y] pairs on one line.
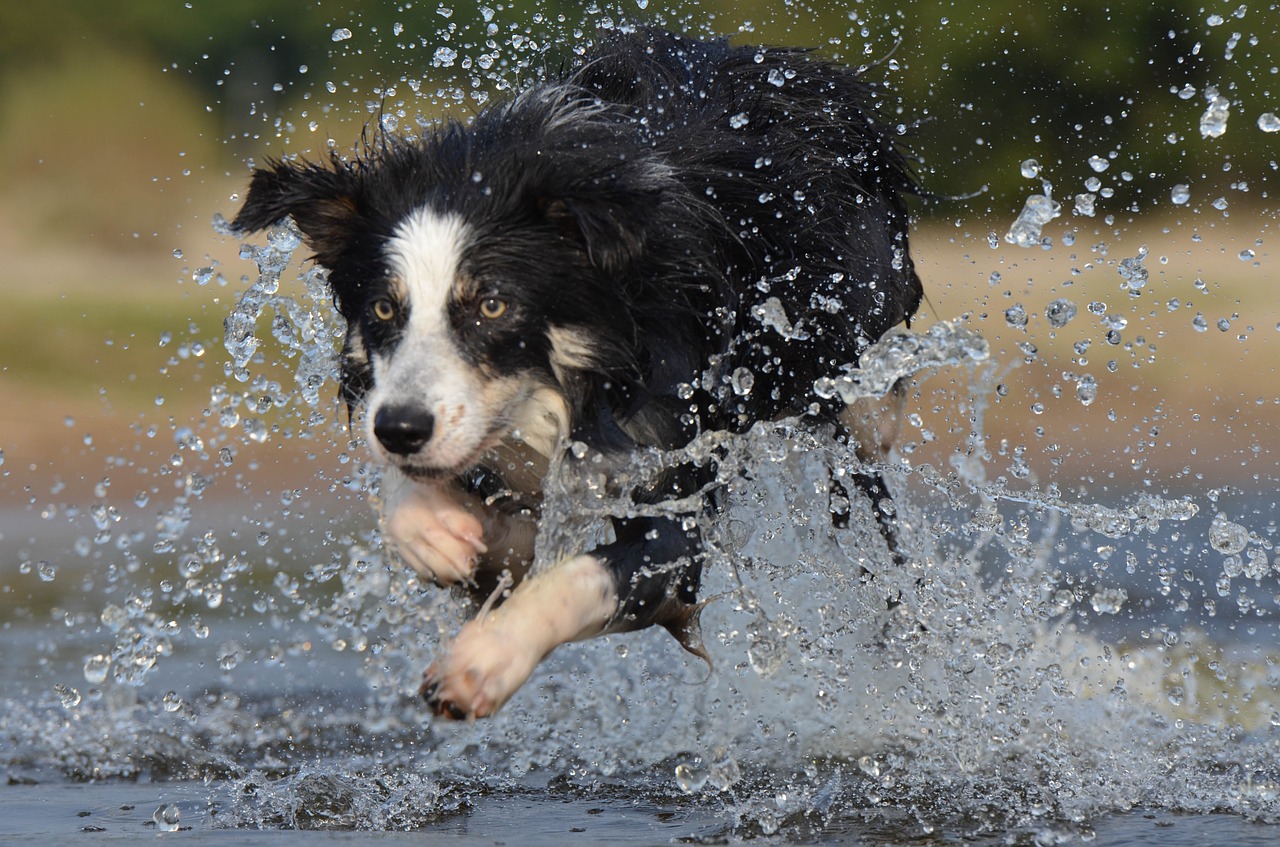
[[656, 197]]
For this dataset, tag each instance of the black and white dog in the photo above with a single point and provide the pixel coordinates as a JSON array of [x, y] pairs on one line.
[[601, 259]]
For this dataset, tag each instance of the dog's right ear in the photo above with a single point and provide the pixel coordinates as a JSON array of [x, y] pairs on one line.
[[321, 200]]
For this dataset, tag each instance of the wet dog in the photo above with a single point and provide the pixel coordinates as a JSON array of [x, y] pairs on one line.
[[669, 237]]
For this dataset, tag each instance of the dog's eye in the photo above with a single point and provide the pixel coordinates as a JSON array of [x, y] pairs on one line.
[[492, 307], [383, 309]]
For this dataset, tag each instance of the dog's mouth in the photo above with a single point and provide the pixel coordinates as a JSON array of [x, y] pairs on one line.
[[417, 468]]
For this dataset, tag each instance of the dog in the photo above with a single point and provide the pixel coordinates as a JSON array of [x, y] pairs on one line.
[[667, 237]]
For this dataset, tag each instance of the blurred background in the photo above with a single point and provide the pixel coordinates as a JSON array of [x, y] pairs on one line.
[[126, 126]]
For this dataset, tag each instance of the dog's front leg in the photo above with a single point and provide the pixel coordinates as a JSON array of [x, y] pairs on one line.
[[648, 575], [495, 653]]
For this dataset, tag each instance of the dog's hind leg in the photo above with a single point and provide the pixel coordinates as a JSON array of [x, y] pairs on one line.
[[870, 426]]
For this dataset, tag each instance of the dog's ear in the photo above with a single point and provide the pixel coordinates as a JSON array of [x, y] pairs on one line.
[[321, 200], [613, 216]]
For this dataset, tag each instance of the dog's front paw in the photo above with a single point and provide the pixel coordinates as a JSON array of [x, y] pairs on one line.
[[494, 654], [434, 532], [483, 667]]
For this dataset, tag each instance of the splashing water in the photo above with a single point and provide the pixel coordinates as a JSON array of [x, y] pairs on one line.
[[1213, 123], [1027, 230]]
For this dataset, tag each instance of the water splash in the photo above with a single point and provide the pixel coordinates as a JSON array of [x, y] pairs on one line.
[[1026, 230], [1213, 123]]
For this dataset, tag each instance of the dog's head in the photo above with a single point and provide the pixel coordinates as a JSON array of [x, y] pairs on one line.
[[482, 272]]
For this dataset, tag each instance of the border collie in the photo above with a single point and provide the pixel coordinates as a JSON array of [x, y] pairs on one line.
[[599, 261]]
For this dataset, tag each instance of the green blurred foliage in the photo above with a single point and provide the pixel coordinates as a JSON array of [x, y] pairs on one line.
[[977, 86]]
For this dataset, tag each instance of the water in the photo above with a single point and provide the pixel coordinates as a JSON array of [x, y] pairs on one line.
[[1077, 647]]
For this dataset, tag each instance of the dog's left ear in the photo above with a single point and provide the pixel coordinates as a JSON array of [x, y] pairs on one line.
[[321, 200], [613, 216]]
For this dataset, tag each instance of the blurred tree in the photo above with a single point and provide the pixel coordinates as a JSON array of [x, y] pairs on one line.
[[978, 87]]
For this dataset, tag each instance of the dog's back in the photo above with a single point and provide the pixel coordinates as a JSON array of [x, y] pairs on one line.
[[810, 190]]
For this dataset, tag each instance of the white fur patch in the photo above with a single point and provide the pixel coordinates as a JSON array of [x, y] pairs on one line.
[[570, 350], [542, 421], [424, 255], [494, 654]]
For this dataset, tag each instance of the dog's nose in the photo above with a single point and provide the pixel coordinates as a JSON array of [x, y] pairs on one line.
[[403, 429]]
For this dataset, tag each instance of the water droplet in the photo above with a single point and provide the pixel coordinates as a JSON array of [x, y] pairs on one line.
[[739, 120], [765, 653], [341, 34], [1213, 123], [1060, 312], [166, 817], [1109, 601], [743, 379], [444, 57], [229, 656], [691, 777], [1086, 204], [46, 571], [1098, 164], [1199, 323], [1134, 272], [171, 702], [1269, 122], [1087, 389], [95, 669], [1038, 210], [1226, 536], [1016, 316], [1030, 168], [67, 696], [1180, 194], [724, 771]]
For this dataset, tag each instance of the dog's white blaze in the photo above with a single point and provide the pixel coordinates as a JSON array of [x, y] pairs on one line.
[[424, 254]]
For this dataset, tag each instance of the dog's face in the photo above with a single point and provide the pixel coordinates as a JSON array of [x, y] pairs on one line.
[[462, 354], [480, 281]]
